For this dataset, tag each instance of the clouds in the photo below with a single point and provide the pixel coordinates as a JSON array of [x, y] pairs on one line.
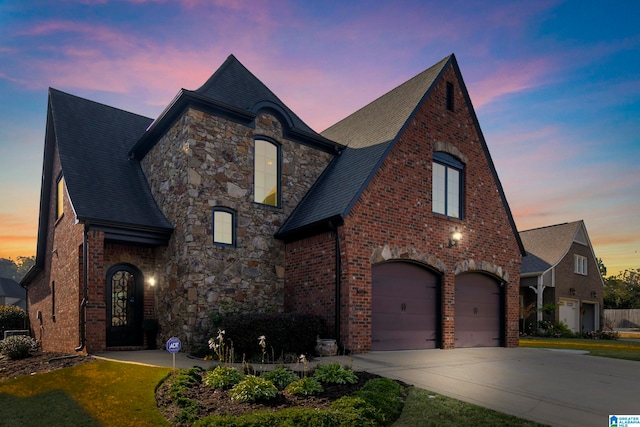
[[555, 85]]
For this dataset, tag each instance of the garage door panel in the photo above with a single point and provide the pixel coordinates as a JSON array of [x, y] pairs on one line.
[[404, 298], [478, 311]]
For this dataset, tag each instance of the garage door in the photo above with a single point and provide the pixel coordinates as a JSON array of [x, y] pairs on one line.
[[404, 307], [478, 308]]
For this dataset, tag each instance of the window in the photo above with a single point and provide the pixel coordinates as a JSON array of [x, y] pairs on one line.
[[580, 265], [450, 96], [266, 173], [59, 197], [53, 301], [224, 228], [447, 185]]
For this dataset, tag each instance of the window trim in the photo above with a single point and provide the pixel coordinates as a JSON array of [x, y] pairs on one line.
[[580, 265], [60, 184], [449, 162], [233, 226], [278, 170]]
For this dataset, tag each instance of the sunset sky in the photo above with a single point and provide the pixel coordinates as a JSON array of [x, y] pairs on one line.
[[555, 85]]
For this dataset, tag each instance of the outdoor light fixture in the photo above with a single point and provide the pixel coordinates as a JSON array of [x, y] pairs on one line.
[[152, 281], [454, 238], [593, 294], [572, 291]]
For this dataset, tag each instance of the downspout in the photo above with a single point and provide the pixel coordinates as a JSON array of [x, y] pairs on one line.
[[338, 268], [85, 289]]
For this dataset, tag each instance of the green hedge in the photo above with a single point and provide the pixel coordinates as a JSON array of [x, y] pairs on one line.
[[11, 317], [285, 333]]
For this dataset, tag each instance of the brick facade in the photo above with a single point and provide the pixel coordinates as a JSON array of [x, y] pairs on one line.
[[393, 220]]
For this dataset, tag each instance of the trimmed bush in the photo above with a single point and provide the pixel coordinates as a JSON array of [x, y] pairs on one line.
[[11, 317], [18, 346], [286, 333]]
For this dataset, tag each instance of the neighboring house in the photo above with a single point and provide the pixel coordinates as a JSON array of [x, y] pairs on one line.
[[392, 224], [560, 271], [11, 293]]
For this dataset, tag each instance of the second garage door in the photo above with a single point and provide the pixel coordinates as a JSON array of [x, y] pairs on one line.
[[479, 314], [404, 307]]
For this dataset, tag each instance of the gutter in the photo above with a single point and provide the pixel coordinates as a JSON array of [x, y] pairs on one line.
[[85, 290], [338, 282]]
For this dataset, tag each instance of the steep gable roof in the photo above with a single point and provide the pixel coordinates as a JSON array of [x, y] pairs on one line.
[[235, 93], [547, 246], [368, 135]]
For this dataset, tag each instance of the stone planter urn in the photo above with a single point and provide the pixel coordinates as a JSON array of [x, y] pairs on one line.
[[326, 347]]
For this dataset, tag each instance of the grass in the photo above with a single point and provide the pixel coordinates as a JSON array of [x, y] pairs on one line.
[[91, 394], [425, 409], [119, 394], [617, 349]]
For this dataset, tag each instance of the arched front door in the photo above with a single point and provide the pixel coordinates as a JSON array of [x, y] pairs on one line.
[[404, 307], [479, 306], [124, 306]]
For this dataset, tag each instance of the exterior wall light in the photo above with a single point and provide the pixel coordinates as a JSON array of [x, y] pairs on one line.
[[572, 291], [152, 281], [593, 294], [454, 238]]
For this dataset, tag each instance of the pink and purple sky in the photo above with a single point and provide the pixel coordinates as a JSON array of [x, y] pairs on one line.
[[555, 85]]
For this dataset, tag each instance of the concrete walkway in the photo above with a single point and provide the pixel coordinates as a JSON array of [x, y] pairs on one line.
[[558, 388]]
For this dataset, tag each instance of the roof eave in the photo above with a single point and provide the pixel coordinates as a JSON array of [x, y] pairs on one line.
[[309, 230]]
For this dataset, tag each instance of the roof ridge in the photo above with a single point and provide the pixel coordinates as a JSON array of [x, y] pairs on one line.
[[551, 226]]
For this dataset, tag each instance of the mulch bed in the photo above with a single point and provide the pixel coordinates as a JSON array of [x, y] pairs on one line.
[[39, 362], [218, 402]]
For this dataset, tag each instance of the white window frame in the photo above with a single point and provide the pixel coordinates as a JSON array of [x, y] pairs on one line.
[[580, 265]]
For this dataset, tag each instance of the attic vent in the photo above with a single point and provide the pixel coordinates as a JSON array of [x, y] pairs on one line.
[[449, 96]]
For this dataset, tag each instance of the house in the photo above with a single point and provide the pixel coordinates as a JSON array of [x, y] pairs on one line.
[[560, 271], [392, 224], [11, 293]]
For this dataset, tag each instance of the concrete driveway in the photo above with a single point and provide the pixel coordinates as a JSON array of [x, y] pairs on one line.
[[559, 388]]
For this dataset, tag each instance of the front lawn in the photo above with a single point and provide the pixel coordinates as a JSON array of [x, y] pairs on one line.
[[118, 394], [618, 349]]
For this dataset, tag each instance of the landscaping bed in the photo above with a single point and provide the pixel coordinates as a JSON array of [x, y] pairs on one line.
[[38, 362]]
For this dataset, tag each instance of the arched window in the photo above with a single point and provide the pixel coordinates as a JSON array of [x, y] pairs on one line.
[[224, 226], [266, 179], [448, 185]]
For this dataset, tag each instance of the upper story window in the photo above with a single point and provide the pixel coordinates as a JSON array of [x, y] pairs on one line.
[[580, 265], [266, 180], [60, 197], [448, 185], [450, 96], [224, 227]]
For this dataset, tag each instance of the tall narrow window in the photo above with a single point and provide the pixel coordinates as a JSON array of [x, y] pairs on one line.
[[224, 229], [266, 173], [580, 265], [53, 301], [59, 197], [447, 186], [450, 96]]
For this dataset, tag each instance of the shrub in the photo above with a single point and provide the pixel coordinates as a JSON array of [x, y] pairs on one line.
[[280, 377], [304, 387], [12, 317], [185, 379], [18, 346], [222, 377], [253, 388], [383, 394], [287, 333], [334, 373]]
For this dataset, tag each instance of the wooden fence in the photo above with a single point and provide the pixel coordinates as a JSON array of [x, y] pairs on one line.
[[623, 318]]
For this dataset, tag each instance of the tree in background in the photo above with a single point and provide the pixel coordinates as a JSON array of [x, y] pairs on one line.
[[622, 290], [17, 269]]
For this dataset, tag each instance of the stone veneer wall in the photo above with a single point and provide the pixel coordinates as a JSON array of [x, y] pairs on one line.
[[205, 161]]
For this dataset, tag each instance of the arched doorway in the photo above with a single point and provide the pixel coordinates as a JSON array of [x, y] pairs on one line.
[[479, 308], [125, 305], [405, 307]]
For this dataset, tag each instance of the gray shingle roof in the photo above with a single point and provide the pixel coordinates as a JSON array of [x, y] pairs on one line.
[[547, 246], [369, 134], [103, 184]]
